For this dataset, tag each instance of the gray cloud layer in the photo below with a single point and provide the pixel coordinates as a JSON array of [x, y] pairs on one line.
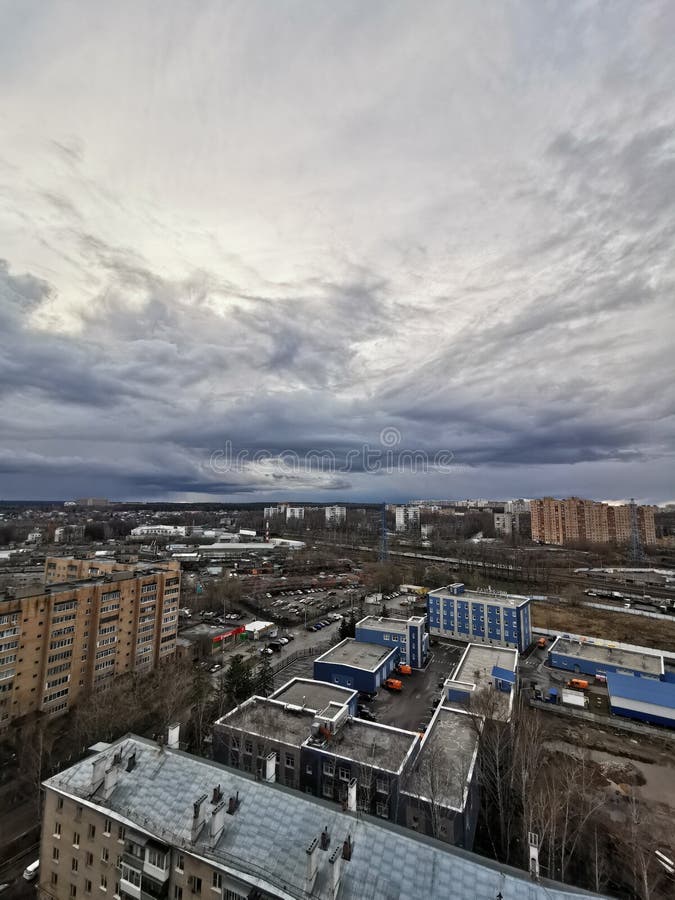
[[291, 226]]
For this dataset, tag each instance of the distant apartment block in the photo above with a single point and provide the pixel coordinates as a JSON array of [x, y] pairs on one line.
[[69, 534], [295, 512], [505, 524], [91, 621], [336, 515], [517, 506], [407, 518], [408, 635], [270, 511], [577, 520], [480, 617], [92, 501], [155, 530]]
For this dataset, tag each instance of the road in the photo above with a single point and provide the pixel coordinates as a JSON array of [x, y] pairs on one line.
[[12, 874]]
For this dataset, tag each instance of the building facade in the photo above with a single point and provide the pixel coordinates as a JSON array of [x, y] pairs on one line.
[[60, 642], [295, 512], [407, 518], [409, 636], [336, 515], [500, 619], [576, 520]]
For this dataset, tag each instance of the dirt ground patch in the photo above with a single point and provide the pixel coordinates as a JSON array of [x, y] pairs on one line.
[[602, 623]]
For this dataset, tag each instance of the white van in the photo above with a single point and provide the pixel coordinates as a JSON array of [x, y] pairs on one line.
[[30, 872]]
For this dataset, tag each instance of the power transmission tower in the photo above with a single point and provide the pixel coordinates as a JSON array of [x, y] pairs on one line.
[[384, 547], [636, 553]]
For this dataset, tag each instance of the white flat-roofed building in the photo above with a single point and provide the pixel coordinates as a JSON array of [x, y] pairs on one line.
[[336, 515], [295, 512], [407, 518]]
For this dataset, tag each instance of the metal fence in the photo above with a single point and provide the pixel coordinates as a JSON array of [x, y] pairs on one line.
[[613, 722]]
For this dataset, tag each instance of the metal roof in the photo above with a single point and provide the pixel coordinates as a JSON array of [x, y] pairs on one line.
[[645, 690]]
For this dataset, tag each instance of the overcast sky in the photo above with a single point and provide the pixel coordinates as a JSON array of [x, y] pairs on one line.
[[313, 226]]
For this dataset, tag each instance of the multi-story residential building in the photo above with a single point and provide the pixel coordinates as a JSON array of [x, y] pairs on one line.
[[92, 501], [270, 511], [336, 515], [407, 518], [69, 534], [505, 523], [517, 506], [144, 821], [478, 617], [62, 641], [295, 512], [575, 519], [408, 635]]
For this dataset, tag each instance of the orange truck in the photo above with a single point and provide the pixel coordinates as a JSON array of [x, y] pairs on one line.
[[541, 642], [404, 669], [579, 683], [393, 684]]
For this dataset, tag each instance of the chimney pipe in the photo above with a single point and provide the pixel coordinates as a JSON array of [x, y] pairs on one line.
[[97, 771], [173, 737], [217, 795], [233, 805], [217, 821], [131, 762], [325, 839], [312, 865], [351, 796], [347, 848], [335, 861], [198, 816], [110, 781]]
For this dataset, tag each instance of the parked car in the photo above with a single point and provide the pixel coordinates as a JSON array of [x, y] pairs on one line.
[[283, 640], [266, 651], [289, 637], [365, 713], [30, 872], [215, 668]]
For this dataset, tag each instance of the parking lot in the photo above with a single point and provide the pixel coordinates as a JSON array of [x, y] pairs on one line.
[[409, 708]]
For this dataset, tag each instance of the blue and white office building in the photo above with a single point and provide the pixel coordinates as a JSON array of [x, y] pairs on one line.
[[357, 665], [409, 636], [480, 617]]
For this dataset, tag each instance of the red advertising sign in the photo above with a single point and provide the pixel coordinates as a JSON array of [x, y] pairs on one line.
[[227, 634]]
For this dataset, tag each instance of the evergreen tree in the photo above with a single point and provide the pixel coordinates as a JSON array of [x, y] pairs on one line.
[[237, 680], [265, 677], [344, 629]]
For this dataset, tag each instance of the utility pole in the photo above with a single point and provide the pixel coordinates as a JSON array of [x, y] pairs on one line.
[[384, 547]]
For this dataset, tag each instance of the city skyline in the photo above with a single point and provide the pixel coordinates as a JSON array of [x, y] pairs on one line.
[[304, 229]]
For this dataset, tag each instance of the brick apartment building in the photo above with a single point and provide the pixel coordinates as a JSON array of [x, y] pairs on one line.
[[88, 623], [575, 520]]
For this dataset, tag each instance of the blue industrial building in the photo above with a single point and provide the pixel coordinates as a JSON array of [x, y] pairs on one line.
[[480, 617], [592, 656], [642, 698], [408, 635], [357, 665]]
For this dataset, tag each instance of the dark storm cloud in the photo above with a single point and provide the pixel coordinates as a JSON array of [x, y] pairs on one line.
[[390, 233]]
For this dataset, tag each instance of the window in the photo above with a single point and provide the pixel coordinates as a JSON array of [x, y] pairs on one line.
[[76, 839], [54, 879], [381, 809], [290, 761], [121, 833], [217, 884], [74, 864], [87, 886], [59, 804], [104, 882], [248, 747], [382, 786], [196, 885], [327, 790], [180, 863], [78, 813], [132, 876], [107, 828], [343, 774], [177, 892], [308, 770], [57, 830], [73, 891], [105, 854], [92, 832], [329, 768], [157, 858], [55, 854], [88, 859]]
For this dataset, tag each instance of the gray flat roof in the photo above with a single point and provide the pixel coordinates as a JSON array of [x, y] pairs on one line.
[[371, 744], [266, 838], [512, 600], [478, 661], [359, 654], [400, 626], [651, 663], [444, 765], [268, 719], [314, 695]]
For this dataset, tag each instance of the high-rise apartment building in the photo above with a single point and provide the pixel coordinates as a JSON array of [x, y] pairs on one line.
[[336, 515], [295, 512], [90, 622], [407, 517], [575, 519]]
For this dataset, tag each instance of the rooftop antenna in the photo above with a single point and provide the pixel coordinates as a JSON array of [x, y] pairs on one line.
[[636, 553], [384, 547]]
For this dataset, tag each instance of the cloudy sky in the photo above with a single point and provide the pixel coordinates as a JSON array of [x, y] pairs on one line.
[[298, 228]]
